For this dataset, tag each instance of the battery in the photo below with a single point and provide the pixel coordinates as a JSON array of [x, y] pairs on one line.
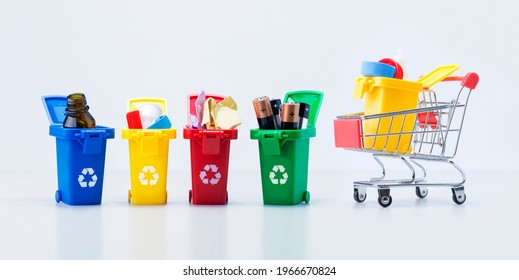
[[290, 116], [276, 111], [304, 111], [263, 111]]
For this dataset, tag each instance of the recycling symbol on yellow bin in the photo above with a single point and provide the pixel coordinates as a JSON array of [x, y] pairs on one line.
[[87, 183], [277, 171], [213, 169], [148, 176]]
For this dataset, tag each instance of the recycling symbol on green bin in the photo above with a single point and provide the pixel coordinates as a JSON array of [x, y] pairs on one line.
[[82, 180], [211, 169], [277, 172]]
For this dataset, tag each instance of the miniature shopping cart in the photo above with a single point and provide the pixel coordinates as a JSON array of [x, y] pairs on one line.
[[430, 132]]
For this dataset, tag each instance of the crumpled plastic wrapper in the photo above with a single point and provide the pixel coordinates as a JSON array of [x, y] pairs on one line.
[[199, 107], [221, 115], [192, 121]]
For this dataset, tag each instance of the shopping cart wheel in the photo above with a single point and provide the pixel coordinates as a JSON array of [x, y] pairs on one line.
[[129, 196], [57, 196], [385, 201], [458, 195], [359, 197], [421, 192], [306, 196], [190, 195]]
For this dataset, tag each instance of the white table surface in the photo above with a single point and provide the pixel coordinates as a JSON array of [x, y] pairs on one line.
[[332, 226]]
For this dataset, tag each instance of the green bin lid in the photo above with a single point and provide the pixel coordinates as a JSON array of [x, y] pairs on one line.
[[312, 97]]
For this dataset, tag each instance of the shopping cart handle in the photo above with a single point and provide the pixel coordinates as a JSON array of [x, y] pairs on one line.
[[470, 80]]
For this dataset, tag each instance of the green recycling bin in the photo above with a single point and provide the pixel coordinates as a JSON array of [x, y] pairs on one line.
[[284, 155]]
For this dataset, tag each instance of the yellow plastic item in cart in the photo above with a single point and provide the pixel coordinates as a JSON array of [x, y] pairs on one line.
[[384, 95], [148, 158], [437, 75]]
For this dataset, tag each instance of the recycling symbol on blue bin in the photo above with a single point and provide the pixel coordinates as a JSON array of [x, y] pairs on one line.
[[278, 171], [82, 178], [212, 169]]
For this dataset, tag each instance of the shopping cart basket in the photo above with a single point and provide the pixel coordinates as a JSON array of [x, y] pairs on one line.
[[434, 137]]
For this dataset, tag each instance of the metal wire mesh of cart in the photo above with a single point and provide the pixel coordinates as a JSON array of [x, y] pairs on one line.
[[429, 132]]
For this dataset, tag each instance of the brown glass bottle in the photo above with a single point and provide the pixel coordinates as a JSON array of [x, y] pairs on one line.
[[77, 112]]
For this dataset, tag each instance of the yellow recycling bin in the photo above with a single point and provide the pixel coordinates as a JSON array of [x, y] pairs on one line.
[[148, 158], [383, 95]]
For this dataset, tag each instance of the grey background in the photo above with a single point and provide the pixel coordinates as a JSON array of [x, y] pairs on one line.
[[115, 50]]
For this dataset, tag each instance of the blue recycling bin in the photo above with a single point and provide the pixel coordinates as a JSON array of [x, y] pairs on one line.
[[80, 156]]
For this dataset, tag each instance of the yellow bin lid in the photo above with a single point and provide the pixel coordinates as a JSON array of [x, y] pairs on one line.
[[136, 103]]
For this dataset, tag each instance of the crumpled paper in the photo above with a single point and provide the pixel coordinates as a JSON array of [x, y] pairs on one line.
[[207, 116], [226, 114], [221, 115]]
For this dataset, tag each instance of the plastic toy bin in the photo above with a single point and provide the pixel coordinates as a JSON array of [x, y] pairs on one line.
[[384, 95], [284, 164], [149, 150], [284, 156], [80, 156], [210, 150], [209, 164]]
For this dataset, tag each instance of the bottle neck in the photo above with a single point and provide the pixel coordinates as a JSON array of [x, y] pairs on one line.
[[77, 110], [76, 103]]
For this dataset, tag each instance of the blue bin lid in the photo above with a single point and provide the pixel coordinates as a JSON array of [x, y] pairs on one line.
[[55, 106]]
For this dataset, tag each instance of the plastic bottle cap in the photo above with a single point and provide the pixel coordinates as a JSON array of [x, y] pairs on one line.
[[134, 120]]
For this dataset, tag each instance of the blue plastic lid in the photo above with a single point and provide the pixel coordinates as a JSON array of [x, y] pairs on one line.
[[377, 69], [162, 123], [55, 106]]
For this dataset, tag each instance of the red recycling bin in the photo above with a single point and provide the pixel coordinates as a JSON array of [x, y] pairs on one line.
[[209, 160]]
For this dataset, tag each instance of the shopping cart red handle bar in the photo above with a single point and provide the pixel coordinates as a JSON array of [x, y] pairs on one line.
[[469, 81]]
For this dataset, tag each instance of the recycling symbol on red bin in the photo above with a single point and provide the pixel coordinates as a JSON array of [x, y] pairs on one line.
[[148, 176], [215, 175], [81, 178], [278, 171]]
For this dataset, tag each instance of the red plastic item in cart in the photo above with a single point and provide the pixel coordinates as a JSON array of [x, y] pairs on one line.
[[399, 71], [428, 118], [348, 133], [209, 159]]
